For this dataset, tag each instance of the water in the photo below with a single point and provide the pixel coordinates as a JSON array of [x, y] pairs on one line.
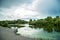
[[38, 33]]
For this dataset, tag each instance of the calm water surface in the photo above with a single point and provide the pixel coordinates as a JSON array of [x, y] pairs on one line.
[[38, 33]]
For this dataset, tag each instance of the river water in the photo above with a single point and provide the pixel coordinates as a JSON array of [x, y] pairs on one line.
[[38, 33]]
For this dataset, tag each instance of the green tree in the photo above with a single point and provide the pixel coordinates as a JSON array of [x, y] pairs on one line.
[[57, 24], [5, 24]]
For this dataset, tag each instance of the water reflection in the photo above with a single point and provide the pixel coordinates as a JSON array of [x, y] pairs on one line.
[[37, 33]]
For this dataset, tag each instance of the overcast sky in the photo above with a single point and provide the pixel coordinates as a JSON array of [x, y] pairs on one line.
[[28, 9]]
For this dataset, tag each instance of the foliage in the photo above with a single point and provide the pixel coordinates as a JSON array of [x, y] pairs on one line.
[[3, 23], [47, 23], [6, 23]]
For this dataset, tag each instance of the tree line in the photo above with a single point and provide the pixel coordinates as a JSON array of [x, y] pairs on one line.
[[47, 23], [5, 23]]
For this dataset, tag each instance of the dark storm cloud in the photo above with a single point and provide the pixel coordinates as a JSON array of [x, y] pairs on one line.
[[51, 7], [9, 3]]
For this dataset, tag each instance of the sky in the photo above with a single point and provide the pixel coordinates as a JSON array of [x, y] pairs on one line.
[[28, 9]]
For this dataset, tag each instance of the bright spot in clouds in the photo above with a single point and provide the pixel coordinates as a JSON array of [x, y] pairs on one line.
[[26, 13]]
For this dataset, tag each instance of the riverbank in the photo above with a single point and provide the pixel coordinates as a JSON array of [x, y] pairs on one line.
[[8, 34]]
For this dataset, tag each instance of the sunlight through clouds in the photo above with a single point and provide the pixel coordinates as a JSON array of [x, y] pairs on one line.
[[25, 12]]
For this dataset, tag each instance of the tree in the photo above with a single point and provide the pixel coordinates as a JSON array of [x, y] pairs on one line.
[[30, 21], [5, 24], [48, 23], [57, 24]]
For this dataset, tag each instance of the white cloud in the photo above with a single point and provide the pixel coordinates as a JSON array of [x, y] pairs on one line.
[[20, 12], [35, 4], [25, 11]]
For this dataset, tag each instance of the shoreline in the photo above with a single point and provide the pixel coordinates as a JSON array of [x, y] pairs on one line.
[[8, 34]]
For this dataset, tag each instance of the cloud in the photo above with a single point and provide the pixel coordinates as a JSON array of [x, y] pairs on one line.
[[50, 7], [25, 11], [10, 3], [20, 12], [28, 9]]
